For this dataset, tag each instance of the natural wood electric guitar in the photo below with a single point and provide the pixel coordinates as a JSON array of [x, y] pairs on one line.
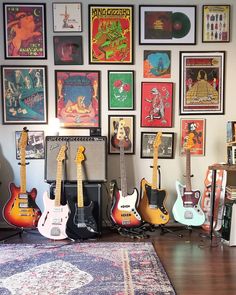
[[81, 223], [123, 209], [21, 209], [186, 209], [52, 223], [151, 206]]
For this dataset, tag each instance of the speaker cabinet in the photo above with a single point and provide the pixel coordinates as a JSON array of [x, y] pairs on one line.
[[94, 167], [91, 192]]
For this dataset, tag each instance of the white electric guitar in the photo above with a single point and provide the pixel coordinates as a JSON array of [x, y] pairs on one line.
[[52, 223]]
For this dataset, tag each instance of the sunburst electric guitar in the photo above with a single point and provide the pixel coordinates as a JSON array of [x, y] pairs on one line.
[[123, 209], [81, 223], [21, 209], [52, 223], [151, 206], [186, 209]]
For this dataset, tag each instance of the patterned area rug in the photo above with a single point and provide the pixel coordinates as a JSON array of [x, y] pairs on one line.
[[82, 268]]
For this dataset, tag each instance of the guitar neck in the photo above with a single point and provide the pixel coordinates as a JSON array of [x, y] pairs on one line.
[[80, 199], [123, 170], [155, 166], [58, 184], [22, 171], [188, 171]]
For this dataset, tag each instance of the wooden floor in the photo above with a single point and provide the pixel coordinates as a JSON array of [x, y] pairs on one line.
[[194, 264]]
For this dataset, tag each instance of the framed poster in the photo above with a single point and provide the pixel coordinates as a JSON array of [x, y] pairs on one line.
[[35, 147], [216, 23], [24, 94], [68, 50], [202, 82], [24, 31], [157, 64], [156, 104], [129, 129], [165, 149], [159, 24], [67, 17], [195, 127], [121, 90], [111, 34], [78, 98]]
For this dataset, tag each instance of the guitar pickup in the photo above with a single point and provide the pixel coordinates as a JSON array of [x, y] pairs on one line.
[[23, 196], [23, 205]]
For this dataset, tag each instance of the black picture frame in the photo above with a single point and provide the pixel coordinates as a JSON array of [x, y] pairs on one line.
[[165, 149]]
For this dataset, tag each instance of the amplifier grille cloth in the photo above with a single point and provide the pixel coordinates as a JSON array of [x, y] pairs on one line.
[[94, 165]]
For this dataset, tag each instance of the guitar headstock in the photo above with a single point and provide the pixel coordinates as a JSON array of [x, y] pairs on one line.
[[157, 140], [80, 155], [62, 153], [189, 143], [23, 141], [121, 130]]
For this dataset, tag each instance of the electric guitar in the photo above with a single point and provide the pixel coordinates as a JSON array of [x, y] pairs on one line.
[[151, 206], [123, 208], [81, 223], [186, 209], [21, 209], [52, 223]]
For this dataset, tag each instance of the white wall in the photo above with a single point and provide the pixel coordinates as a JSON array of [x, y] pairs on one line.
[[172, 169]]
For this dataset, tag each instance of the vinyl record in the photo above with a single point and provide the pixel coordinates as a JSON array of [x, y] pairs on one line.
[[181, 24]]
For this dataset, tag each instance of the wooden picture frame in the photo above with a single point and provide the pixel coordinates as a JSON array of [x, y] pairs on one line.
[[202, 82], [165, 149], [24, 94], [197, 128], [162, 25], [78, 98], [25, 30], [113, 142], [35, 148], [121, 90], [156, 104], [111, 34], [68, 50], [67, 17], [215, 23], [157, 64]]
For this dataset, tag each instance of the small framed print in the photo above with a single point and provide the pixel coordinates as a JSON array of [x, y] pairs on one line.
[[156, 104], [67, 17], [68, 50], [111, 34], [129, 129], [78, 98], [25, 30], [159, 24], [24, 94], [215, 23], [195, 128], [121, 90], [165, 149], [202, 82], [35, 148], [157, 64]]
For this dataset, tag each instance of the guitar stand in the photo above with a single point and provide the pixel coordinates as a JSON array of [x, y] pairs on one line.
[[165, 230]]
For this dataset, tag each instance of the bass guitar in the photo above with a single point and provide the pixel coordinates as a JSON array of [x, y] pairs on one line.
[[52, 223], [21, 209], [81, 223], [123, 208], [151, 206], [186, 209]]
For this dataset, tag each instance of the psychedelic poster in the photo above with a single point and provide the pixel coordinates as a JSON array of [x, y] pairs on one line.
[[156, 64], [24, 31], [111, 34]]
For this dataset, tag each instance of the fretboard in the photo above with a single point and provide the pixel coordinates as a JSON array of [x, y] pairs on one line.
[[154, 171], [22, 171], [123, 170], [57, 201], [188, 171], [80, 198]]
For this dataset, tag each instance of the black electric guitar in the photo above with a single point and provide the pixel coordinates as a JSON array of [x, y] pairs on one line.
[[81, 223]]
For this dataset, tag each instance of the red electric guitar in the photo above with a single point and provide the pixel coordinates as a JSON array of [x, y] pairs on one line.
[[123, 209], [21, 209]]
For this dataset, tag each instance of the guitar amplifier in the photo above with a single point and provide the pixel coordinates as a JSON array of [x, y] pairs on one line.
[[91, 192], [94, 166]]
